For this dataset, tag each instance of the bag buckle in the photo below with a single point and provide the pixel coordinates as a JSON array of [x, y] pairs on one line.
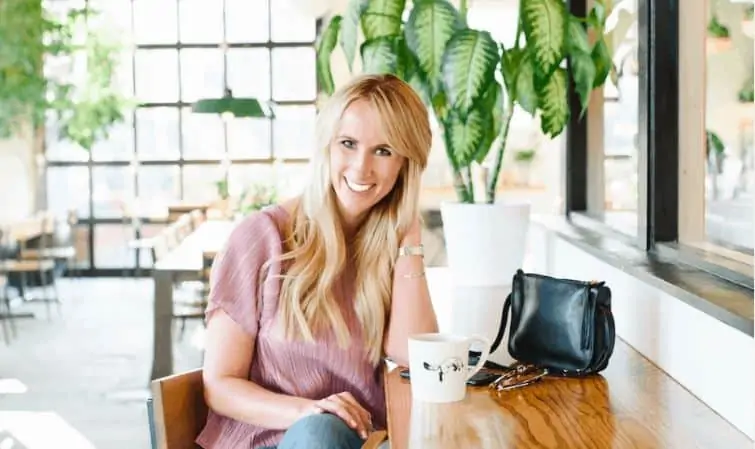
[[520, 375]]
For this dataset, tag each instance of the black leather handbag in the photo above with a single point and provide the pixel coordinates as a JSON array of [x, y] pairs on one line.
[[564, 327]]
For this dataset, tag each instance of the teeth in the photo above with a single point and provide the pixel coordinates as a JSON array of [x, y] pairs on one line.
[[358, 187]]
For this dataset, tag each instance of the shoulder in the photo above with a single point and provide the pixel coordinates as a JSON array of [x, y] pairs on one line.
[[256, 236]]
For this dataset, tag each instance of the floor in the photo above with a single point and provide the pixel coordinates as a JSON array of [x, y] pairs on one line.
[[82, 375]]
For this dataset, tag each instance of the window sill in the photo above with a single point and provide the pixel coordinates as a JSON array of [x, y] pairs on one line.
[[727, 301]]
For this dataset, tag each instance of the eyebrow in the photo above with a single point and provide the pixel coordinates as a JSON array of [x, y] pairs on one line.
[[348, 137]]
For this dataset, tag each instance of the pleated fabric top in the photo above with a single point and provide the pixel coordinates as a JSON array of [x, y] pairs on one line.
[[311, 370]]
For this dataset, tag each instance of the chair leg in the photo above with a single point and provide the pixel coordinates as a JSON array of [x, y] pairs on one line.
[[6, 333], [11, 318]]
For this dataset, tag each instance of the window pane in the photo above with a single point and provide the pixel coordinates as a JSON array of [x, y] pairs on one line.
[[289, 179], [249, 72], [294, 74], [730, 175], [113, 191], [111, 246], [201, 74], [243, 176], [200, 183], [157, 76], [246, 21], [249, 138], [621, 127], [67, 189], [202, 136], [159, 186], [155, 21], [201, 21], [290, 25], [120, 144], [58, 149], [294, 131], [115, 15], [157, 133]]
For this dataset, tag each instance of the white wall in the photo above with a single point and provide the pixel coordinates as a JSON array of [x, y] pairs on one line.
[[712, 360]]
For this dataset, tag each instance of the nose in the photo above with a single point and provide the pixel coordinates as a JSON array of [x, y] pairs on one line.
[[362, 162]]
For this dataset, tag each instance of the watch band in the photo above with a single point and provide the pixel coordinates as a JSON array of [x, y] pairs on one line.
[[418, 250]]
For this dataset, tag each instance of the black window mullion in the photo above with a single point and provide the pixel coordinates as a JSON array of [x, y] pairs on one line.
[[576, 178], [658, 122]]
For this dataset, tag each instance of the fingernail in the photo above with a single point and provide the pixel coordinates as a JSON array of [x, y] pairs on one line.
[[364, 435]]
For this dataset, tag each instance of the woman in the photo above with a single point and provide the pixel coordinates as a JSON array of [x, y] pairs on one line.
[[308, 296]]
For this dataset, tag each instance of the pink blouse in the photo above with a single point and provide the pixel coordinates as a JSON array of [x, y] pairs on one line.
[[310, 370]]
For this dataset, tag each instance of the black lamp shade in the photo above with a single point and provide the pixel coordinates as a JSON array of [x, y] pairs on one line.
[[239, 107]]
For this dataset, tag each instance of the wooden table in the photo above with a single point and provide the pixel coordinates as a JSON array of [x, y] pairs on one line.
[[183, 263], [633, 404]]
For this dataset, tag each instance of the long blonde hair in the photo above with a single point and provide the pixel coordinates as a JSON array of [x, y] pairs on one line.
[[316, 254]]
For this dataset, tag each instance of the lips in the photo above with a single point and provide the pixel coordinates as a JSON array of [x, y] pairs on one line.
[[357, 186]]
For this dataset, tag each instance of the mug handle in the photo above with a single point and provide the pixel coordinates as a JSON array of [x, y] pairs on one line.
[[472, 370]]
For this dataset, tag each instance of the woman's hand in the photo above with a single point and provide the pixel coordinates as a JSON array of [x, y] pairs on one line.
[[346, 407]]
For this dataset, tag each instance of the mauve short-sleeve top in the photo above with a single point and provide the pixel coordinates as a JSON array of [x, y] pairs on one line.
[[311, 370]]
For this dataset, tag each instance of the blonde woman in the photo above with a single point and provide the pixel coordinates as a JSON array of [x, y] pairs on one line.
[[310, 295]]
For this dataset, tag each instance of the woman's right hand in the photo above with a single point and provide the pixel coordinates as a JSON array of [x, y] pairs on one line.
[[346, 407]]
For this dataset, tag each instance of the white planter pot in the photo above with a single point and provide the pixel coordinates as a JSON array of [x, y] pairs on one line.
[[485, 243]]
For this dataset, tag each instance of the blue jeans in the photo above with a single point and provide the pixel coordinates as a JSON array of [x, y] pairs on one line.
[[323, 431]]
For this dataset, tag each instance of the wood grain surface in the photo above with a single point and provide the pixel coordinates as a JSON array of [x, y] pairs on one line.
[[632, 404]]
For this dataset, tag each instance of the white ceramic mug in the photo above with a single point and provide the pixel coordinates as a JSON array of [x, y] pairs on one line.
[[439, 365]]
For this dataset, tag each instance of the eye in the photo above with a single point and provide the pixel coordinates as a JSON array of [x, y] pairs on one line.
[[383, 152], [348, 143]]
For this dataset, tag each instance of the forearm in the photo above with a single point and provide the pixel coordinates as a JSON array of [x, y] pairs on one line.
[[411, 308], [248, 402]]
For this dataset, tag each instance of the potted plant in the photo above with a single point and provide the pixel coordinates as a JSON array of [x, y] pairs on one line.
[[523, 164], [719, 37], [473, 84], [85, 109]]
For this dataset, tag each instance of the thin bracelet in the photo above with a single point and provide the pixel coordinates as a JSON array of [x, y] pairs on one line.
[[413, 275]]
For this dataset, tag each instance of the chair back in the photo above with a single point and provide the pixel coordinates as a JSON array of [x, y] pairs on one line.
[[179, 411]]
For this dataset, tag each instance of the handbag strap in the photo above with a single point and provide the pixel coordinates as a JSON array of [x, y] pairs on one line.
[[474, 356]]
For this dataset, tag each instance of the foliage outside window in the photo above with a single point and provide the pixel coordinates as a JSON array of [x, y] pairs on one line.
[[32, 36]]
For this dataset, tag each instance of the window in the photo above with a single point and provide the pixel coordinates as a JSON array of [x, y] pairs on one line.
[[729, 154], [665, 159], [163, 153]]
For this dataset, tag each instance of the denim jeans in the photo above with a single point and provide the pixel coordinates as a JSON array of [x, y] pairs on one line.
[[322, 431]]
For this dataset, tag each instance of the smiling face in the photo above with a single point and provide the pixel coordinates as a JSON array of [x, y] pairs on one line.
[[363, 167]]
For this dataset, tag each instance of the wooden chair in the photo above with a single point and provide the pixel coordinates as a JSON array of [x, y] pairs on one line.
[[177, 410]]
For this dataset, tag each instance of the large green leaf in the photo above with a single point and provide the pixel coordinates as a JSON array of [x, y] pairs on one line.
[[465, 135], [603, 61], [325, 46], [583, 72], [430, 26], [468, 67], [491, 106], [545, 25], [350, 29], [554, 104], [379, 55], [526, 95], [511, 60], [576, 39], [382, 18]]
